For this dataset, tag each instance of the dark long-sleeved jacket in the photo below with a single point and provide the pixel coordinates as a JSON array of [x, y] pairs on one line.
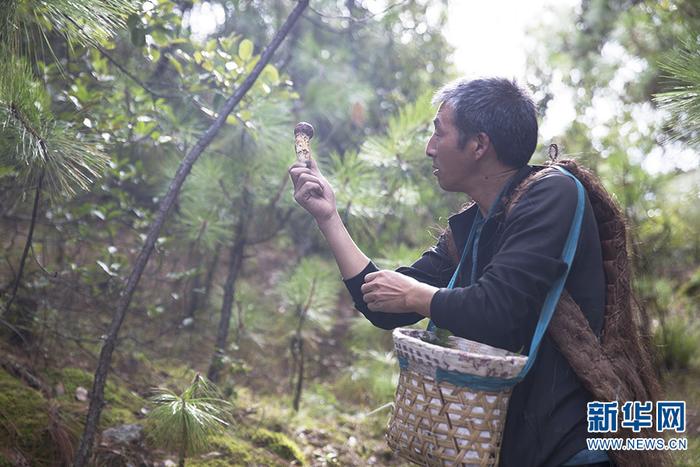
[[518, 261]]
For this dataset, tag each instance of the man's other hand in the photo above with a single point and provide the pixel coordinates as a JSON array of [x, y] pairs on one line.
[[393, 292]]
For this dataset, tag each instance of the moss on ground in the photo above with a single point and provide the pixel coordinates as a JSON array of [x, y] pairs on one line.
[[234, 449], [277, 443], [211, 463], [236, 452], [121, 404], [24, 421]]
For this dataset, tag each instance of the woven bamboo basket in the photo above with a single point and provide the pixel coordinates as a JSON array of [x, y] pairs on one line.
[[435, 422]]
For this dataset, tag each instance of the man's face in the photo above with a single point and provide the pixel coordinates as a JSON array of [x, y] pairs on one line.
[[451, 165]]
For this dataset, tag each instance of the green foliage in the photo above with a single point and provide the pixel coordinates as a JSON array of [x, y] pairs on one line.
[[372, 377], [370, 381], [35, 146], [204, 216], [185, 422], [313, 286], [78, 22], [614, 57], [682, 100], [145, 97], [395, 255], [403, 143], [387, 183], [678, 341], [691, 288]]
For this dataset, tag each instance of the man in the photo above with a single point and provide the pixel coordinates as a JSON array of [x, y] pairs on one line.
[[485, 134]]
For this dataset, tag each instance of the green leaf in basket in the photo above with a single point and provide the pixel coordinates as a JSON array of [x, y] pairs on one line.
[[439, 337], [442, 335], [245, 50]]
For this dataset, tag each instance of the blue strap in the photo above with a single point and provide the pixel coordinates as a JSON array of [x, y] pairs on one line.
[[475, 230], [550, 302]]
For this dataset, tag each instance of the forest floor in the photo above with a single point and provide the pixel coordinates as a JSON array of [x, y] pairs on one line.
[[684, 385], [329, 428]]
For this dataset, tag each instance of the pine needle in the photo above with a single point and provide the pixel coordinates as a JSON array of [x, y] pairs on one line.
[[81, 22], [32, 143], [189, 419], [682, 101]]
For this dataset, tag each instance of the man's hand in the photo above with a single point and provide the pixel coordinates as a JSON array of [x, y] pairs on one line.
[[393, 292], [312, 191]]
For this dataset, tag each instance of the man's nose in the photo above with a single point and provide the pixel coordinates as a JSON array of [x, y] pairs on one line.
[[430, 148]]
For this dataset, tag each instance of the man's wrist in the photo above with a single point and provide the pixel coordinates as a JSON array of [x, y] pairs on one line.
[[328, 222], [419, 300]]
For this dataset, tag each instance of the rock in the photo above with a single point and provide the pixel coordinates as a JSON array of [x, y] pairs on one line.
[[59, 390], [169, 463], [81, 394], [123, 434]]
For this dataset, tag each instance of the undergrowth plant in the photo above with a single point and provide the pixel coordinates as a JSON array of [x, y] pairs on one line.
[[186, 422]]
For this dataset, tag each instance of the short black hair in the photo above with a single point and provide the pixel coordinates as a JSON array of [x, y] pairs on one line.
[[498, 107]]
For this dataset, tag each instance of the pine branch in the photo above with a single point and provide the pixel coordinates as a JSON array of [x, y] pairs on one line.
[[682, 100], [28, 127], [36, 146], [133, 77], [166, 204]]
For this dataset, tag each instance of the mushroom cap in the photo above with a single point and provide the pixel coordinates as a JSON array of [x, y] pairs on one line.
[[306, 128]]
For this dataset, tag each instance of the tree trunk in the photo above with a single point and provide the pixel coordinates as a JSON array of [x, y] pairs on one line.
[[240, 323], [298, 346], [210, 277], [300, 374], [234, 269], [193, 296], [189, 298], [97, 399], [27, 245], [182, 454]]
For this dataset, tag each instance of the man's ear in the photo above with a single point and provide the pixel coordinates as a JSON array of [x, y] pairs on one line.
[[481, 142]]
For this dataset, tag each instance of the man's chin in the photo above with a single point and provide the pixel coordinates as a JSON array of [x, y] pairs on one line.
[[445, 186]]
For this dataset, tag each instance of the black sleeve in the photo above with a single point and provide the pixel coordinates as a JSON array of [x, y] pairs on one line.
[[434, 267], [501, 308]]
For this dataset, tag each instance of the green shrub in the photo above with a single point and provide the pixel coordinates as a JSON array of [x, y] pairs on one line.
[[678, 341], [371, 381]]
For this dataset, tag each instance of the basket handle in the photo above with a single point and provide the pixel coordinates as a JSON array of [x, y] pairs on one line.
[[548, 308]]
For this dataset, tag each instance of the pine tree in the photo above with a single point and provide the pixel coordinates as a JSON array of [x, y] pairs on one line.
[[185, 422], [41, 154], [310, 289]]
